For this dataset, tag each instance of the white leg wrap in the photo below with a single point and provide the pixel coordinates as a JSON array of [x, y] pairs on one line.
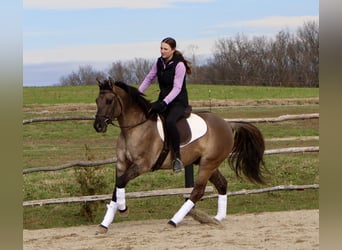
[[182, 212], [109, 217], [120, 198], [221, 207]]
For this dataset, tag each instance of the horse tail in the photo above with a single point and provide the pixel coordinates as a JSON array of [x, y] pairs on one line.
[[248, 151]]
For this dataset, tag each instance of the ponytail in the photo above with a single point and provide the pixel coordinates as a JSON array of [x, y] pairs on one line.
[[186, 62]]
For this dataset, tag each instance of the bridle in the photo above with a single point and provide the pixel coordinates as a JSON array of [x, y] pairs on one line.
[[109, 119]]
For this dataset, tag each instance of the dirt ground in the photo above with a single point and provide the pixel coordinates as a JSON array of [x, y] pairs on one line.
[[269, 230]]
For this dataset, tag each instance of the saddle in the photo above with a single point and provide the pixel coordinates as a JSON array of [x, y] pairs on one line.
[[190, 127], [183, 127]]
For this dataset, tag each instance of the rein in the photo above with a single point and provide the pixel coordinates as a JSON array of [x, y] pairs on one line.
[[129, 126], [110, 121]]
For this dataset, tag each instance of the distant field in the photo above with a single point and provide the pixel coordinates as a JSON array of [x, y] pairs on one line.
[[87, 94], [56, 143]]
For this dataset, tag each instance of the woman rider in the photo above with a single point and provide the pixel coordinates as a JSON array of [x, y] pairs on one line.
[[170, 69]]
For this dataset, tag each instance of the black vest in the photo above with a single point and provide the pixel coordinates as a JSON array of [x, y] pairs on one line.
[[165, 79]]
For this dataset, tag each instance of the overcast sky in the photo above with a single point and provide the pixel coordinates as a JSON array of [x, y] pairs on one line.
[[61, 35]]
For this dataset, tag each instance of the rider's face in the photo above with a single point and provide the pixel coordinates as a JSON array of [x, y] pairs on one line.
[[166, 51]]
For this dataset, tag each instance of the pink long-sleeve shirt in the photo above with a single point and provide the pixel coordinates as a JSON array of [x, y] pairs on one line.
[[177, 82]]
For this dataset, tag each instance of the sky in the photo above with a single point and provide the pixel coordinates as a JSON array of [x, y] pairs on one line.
[[61, 35]]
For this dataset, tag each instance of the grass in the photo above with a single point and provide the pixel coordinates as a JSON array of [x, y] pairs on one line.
[[56, 143], [87, 94]]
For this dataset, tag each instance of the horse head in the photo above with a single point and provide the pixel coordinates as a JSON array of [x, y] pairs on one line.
[[107, 103]]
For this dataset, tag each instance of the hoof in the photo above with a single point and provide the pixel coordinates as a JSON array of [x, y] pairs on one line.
[[170, 222], [101, 230], [124, 213]]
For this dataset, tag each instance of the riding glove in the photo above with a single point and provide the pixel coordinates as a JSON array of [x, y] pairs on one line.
[[157, 107]]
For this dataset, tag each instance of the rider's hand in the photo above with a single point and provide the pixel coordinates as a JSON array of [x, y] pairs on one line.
[[157, 107]]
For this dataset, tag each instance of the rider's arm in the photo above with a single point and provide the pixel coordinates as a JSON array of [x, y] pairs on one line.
[[177, 83], [148, 79]]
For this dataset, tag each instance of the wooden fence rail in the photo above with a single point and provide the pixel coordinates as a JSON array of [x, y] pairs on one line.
[[276, 119], [114, 159], [164, 192], [254, 120], [59, 119], [129, 195]]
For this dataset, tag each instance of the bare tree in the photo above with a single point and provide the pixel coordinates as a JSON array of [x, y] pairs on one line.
[[71, 79], [308, 53], [86, 75], [288, 59], [118, 71], [259, 61], [139, 68]]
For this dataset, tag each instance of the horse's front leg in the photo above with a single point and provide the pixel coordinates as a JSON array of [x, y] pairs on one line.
[[126, 170], [118, 201], [121, 181]]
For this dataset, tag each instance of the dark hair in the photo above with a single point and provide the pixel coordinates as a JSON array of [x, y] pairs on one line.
[[172, 42]]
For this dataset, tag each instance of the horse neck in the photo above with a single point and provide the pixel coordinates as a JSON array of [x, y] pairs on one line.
[[130, 115]]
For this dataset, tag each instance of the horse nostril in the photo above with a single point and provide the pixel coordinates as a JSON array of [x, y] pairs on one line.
[[97, 126], [100, 126]]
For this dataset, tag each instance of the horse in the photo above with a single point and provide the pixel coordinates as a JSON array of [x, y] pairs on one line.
[[139, 145]]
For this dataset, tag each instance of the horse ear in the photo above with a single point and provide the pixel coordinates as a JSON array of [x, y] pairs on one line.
[[111, 82], [99, 82]]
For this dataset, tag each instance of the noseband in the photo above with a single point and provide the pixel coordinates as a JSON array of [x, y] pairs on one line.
[[107, 119]]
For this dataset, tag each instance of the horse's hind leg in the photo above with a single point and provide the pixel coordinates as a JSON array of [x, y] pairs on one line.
[[196, 195], [198, 191], [220, 184]]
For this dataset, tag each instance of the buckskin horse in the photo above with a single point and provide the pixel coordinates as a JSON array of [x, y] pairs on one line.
[[140, 145]]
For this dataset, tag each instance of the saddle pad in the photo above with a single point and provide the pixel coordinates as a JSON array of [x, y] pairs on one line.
[[197, 125]]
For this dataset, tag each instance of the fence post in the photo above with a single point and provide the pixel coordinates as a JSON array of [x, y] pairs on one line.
[[189, 176]]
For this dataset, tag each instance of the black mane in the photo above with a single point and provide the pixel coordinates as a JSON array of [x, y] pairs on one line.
[[135, 96]]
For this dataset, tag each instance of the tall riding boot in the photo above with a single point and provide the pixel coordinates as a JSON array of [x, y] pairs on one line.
[[177, 164], [174, 140]]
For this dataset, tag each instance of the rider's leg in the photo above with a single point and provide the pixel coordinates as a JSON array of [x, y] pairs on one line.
[[174, 114]]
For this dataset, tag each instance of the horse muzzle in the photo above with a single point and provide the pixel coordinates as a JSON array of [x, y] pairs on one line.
[[100, 124]]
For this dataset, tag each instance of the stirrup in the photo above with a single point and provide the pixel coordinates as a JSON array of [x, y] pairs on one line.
[[177, 165]]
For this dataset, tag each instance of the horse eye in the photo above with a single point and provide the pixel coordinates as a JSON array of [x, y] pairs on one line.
[[109, 101]]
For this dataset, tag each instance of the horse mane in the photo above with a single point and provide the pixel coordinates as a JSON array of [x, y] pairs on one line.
[[135, 96]]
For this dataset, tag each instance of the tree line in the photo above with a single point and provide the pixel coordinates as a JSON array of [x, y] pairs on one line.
[[287, 59]]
